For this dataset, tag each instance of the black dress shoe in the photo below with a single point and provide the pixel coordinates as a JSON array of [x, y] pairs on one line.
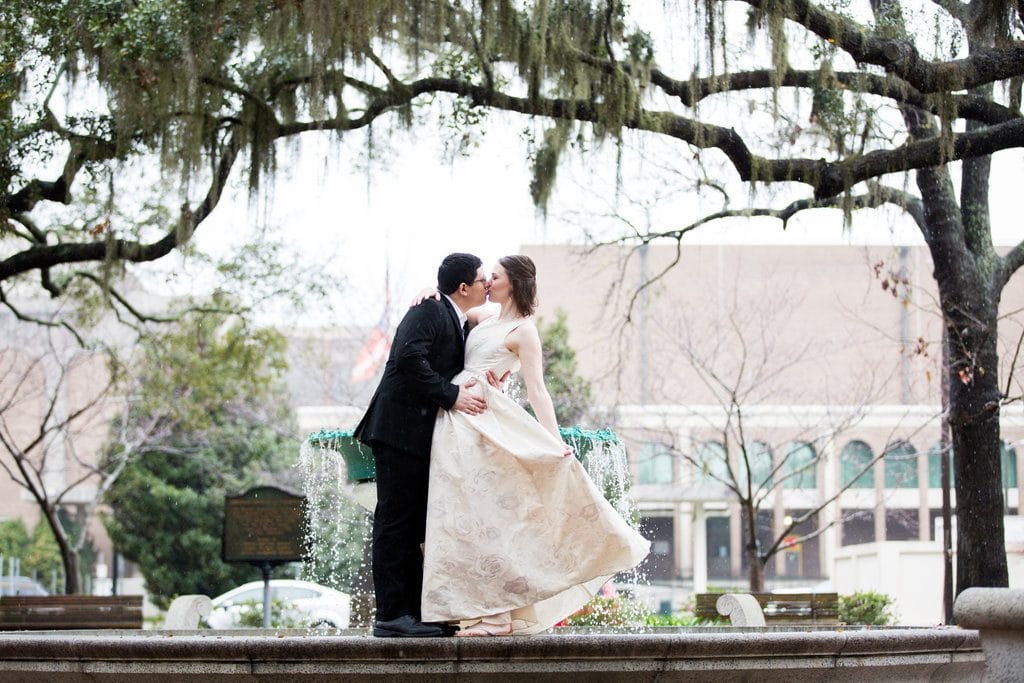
[[405, 626]]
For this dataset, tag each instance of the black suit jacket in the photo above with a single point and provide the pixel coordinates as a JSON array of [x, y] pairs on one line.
[[426, 354]]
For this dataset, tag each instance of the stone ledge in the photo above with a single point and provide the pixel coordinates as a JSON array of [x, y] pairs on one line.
[[883, 654]]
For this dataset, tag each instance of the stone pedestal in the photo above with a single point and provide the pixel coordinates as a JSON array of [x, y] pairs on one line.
[[998, 614]]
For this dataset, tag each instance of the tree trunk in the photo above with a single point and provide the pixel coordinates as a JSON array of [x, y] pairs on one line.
[[970, 308], [68, 555], [946, 447], [755, 568], [959, 240], [974, 423]]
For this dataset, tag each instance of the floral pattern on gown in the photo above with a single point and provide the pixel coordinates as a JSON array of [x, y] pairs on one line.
[[512, 524]]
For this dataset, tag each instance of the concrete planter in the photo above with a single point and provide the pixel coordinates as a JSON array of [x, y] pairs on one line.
[[998, 615]]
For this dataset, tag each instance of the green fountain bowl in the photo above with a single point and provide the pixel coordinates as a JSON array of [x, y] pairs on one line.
[[359, 464]]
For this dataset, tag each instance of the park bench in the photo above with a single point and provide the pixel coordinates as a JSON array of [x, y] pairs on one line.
[[57, 612], [781, 608]]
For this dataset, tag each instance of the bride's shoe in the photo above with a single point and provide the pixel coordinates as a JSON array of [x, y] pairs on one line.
[[485, 630]]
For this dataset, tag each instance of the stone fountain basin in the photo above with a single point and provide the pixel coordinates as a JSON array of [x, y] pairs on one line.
[[662, 654]]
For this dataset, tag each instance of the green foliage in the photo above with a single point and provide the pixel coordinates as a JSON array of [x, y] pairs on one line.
[[281, 615], [38, 552], [609, 611], [215, 387], [545, 165], [675, 619], [209, 369], [13, 538], [867, 608], [42, 556]]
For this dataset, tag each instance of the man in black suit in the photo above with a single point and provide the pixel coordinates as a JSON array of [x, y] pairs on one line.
[[398, 426]]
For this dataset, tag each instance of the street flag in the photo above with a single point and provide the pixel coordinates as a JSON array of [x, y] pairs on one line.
[[374, 351]]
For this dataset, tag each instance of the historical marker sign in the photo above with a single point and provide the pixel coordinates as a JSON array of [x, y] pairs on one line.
[[263, 525]]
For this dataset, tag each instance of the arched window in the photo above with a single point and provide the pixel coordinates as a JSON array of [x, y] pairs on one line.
[[854, 458], [760, 456], [654, 464], [1008, 461], [711, 460], [799, 467], [935, 467], [900, 466]]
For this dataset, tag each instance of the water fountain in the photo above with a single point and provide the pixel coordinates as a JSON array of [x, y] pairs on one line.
[[338, 476], [338, 486]]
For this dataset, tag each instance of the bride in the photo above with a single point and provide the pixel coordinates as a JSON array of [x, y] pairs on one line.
[[518, 537]]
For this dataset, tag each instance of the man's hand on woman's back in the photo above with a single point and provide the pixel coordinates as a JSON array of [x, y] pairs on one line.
[[467, 402]]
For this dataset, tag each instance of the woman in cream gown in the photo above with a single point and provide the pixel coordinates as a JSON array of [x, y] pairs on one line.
[[518, 537]]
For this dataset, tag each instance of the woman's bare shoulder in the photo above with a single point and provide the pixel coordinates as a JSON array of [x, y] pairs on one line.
[[481, 313], [526, 331]]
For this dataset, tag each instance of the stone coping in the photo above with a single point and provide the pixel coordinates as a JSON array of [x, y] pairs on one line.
[[665, 654], [991, 608]]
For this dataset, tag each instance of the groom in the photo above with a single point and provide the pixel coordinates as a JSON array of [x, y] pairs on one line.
[[398, 426]]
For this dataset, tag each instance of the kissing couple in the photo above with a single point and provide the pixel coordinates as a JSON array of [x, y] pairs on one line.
[[484, 520]]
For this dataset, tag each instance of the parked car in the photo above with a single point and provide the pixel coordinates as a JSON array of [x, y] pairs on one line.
[[20, 585], [303, 603]]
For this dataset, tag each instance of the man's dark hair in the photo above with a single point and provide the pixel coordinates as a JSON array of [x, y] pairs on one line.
[[456, 269]]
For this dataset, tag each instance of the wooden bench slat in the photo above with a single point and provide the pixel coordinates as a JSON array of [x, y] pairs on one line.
[[18, 612]]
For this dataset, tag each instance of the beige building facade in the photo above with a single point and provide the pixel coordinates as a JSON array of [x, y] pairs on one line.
[[816, 365]]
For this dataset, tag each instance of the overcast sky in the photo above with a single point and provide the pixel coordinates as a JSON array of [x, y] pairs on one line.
[[417, 206]]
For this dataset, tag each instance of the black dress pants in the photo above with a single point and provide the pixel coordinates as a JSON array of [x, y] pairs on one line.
[[399, 526]]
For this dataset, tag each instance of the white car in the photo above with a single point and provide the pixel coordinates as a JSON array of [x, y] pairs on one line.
[[307, 604]]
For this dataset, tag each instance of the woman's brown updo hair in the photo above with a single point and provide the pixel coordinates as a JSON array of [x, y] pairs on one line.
[[522, 274]]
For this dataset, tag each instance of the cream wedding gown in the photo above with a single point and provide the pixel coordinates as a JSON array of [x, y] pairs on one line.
[[512, 524]]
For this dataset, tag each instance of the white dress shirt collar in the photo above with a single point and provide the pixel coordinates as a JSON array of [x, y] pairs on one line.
[[462, 316]]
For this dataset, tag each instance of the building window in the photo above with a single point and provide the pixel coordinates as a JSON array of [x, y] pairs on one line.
[[935, 466], [802, 558], [711, 461], [654, 465], [719, 552], [900, 466], [1008, 461], [855, 469], [760, 456], [799, 466], [858, 527], [902, 525]]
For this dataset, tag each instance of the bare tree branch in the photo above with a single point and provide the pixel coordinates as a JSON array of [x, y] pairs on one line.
[[898, 56], [83, 149], [1013, 365], [1012, 263], [46, 256], [690, 92], [39, 321]]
